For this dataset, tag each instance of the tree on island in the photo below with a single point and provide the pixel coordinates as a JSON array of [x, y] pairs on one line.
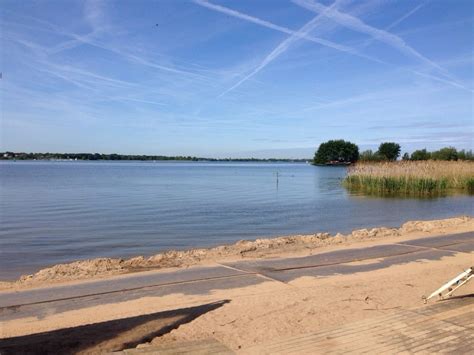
[[336, 152], [389, 150]]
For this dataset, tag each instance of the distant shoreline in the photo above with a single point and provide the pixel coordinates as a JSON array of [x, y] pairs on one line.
[[163, 161], [12, 156]]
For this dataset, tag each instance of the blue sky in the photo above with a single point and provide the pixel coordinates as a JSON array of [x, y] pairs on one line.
[[264, 78]]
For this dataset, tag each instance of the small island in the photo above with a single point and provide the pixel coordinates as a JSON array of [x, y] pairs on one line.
[[336, 152], [422, 173]]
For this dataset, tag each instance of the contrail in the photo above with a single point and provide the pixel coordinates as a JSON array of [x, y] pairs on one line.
[[395, 23], [358, 25], [282, 29], [404, 17], [281, 48], [323, 42]]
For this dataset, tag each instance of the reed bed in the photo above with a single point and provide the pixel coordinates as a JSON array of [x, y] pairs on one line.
[[412, 177]]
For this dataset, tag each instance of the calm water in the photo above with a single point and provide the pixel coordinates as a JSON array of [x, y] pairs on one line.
[[54, 212]]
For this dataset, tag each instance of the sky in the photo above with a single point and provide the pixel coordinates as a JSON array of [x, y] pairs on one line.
[[261, 78]]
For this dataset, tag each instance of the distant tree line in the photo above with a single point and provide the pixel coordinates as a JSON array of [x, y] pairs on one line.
[[447, 153], [98, 156], [341, 152]]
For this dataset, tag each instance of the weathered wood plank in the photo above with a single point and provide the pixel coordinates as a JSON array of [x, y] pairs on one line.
[[431, 329]]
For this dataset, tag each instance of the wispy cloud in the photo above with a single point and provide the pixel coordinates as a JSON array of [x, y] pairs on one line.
[[379, 97], [283, 29], [460, 139], [441, 80], [92, 38], [396, 22], [279, 50], [407, 15], [376, 34], [94, 13], [426, 125], [358, 25], [134, 58]]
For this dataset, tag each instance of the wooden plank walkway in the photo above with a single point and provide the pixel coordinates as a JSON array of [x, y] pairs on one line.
[[444, 327]]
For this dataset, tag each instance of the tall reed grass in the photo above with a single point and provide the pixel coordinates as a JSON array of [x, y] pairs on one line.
[[411, 177]]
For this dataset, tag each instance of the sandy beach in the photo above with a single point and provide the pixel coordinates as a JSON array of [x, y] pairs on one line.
[[284, 246], [259, 313]]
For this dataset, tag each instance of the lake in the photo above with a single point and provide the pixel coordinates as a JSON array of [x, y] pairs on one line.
[[56, 212]]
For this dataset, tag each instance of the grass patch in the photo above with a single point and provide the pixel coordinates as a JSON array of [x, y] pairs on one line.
[[422, 178]]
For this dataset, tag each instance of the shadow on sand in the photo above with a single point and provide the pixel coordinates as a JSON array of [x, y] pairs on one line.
[[106, 336]]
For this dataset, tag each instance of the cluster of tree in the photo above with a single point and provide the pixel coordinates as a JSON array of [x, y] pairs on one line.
[[447, 153], [97, 156], [388, 151], [336, 152]]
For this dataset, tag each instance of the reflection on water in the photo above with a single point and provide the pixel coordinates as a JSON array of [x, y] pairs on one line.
[[357, 192], [54, 212]]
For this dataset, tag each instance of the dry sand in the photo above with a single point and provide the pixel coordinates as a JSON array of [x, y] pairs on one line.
[[272, 310], [310, 304], [296, 245]]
